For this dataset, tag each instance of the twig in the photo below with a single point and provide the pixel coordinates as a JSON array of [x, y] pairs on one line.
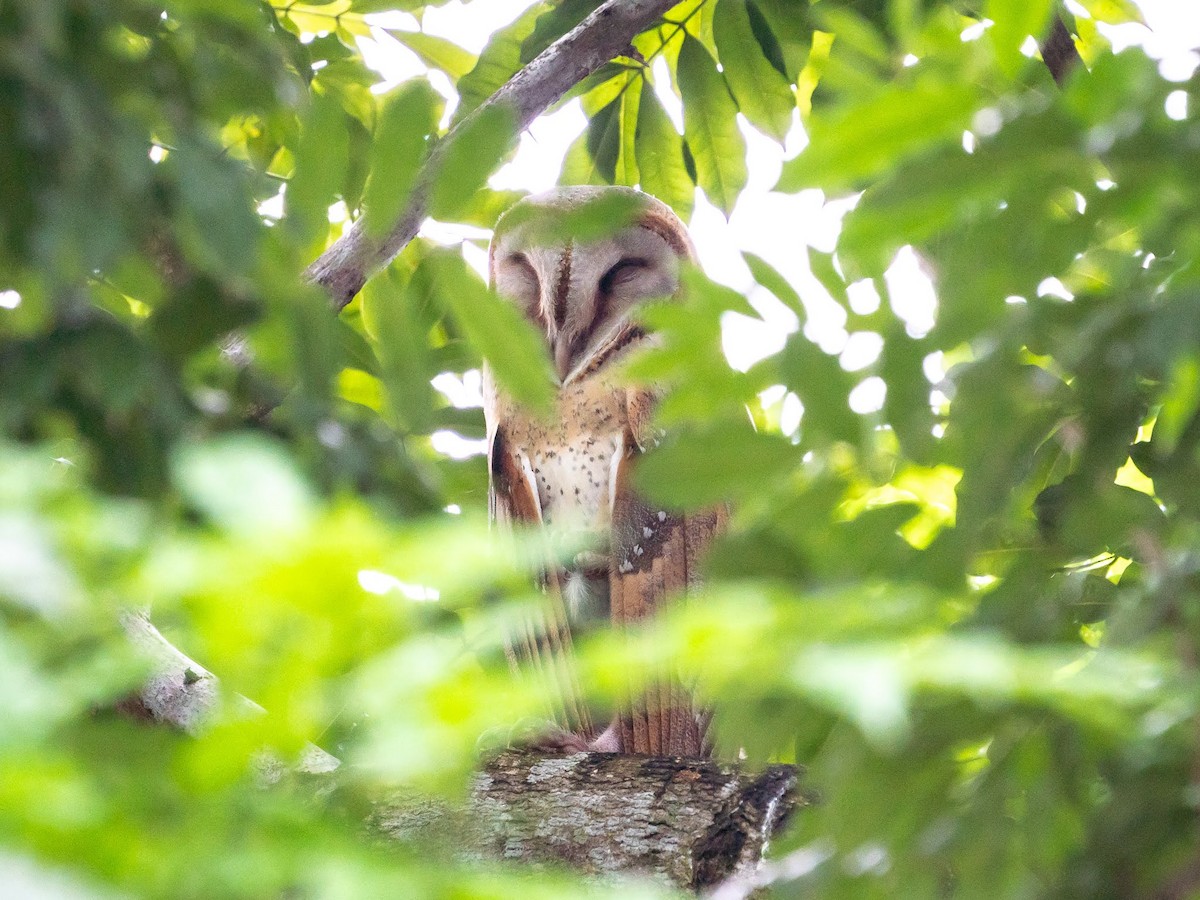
[[1059, 52]]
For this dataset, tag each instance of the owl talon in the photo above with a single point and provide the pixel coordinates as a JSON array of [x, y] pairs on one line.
[[590, 559], [558, 741]]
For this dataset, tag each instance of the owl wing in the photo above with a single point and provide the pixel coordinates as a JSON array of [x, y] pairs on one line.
[[540, 645], [656, 556]]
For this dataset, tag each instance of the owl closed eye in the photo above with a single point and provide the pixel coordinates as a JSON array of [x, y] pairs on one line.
[[579, 293]]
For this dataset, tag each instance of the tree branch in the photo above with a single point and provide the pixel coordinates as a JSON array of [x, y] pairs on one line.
[[691, 822], [182, 693], [1059, 52], [345, 267]]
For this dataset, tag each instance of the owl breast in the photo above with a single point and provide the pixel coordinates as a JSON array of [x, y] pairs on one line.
[[571, 454], [570, 457]]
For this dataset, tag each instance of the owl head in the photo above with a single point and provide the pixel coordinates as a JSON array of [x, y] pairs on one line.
[[577, 260]]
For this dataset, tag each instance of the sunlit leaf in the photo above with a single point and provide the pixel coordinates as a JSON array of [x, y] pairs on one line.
[[762, 93], [1114, 12], [1013, 22], [710, 127], [437, 52], [659, 150]]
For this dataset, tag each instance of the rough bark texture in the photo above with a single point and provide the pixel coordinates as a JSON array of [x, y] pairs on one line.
[[345, 267], [693, 823]]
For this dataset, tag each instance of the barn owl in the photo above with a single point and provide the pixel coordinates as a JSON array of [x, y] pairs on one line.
[[574, 471]]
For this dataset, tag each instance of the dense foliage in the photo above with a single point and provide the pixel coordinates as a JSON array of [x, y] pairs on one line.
[[973, 613]]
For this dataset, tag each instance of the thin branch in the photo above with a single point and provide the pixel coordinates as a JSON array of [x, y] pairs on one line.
[[1059, 52], [345, 267]]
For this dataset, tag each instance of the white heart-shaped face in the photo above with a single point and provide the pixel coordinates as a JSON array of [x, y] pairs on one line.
[[579, 294]]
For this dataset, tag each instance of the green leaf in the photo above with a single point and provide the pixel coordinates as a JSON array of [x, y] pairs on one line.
[[578, 165], [472, 152], [780, 24], [437, 52], [553, 24], [724, 461], [401, 342], [823, 269], [604, 141], [824, 388], [906, 405], [762, 93], [216, 216], [196, 314], [321, 160], [772, 279], [659, 149], [1114, 12], [1012, 22], [586, 221], [515, 352], [245, 484], [710, 126], [399, 148], [626, 170], [372, 6], [499, 61], [689, 356], [863, 139]]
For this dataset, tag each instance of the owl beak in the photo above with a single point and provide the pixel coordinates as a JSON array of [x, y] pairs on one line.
[[562, 357]]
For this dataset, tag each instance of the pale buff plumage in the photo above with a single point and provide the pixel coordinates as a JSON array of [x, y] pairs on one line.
[[573, 471]]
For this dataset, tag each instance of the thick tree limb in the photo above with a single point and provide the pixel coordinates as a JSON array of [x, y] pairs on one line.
[[345, 267], [690, 822]]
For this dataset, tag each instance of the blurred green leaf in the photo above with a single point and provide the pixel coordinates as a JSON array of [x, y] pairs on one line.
[[321, 160], [515, 352], [245, 485], [389, 305], [774, 281], [724, 462], [471, 152], [398, 150], [871, 136], [1013, 21]]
